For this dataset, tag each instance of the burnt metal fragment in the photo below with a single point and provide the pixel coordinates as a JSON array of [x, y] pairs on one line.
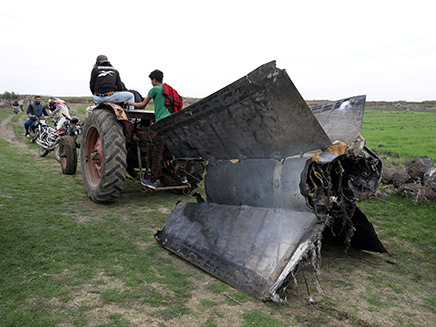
[[261, 115], [342, 119], [279, 174]]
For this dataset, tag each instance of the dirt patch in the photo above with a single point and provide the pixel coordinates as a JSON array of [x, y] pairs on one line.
[[7, 131], [361, 290], [164, 210], [81, 219]]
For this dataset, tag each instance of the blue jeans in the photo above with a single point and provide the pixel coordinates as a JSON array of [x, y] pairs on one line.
[[117, 97], [27, 124]]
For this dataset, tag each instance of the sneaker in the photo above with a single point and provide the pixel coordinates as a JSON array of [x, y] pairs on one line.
[[184, 179], [148, 183]]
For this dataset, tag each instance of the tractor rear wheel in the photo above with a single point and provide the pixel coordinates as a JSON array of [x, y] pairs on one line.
[[103, 156], [68, 155]]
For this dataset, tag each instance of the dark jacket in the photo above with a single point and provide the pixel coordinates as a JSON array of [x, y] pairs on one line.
[[105, 79], [36, 109]]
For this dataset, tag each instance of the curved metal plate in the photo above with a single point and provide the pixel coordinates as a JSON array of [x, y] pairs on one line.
[[247, 247], [342, 119], [261, 115]]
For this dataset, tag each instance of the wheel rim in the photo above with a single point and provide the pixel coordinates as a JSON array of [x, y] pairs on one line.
[[63, 155], [94, 156]]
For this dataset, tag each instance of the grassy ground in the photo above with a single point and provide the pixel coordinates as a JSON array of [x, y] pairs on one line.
[[399, 135], [66, 261]]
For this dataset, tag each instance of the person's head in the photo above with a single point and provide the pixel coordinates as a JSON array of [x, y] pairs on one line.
[[51, 103], [156, 77], [37, 99], [102, 60]]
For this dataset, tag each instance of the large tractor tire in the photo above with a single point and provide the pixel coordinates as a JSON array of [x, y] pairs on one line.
[[68, 155], [103, 156]]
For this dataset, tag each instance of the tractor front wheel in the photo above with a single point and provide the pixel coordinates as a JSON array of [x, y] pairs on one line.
[[68, 155]]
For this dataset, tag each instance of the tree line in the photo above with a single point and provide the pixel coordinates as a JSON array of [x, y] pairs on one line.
[[9, 95]]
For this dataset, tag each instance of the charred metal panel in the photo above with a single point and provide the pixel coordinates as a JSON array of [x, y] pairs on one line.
[[261, 115], [254, 249], [258, 182], [342, 119], [365, 237]]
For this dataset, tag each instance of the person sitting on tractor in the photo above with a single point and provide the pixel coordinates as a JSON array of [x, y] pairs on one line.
[[35, 109], [160, 112], [106, 85]]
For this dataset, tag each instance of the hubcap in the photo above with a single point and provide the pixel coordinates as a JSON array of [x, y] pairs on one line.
[[94, 156]]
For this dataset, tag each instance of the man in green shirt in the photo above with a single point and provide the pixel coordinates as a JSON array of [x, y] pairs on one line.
[[155, 93], [160, 112]]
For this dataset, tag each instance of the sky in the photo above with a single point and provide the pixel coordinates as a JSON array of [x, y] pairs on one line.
[[330, 49]]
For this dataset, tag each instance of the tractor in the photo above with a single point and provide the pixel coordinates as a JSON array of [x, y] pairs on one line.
[[116, 140]]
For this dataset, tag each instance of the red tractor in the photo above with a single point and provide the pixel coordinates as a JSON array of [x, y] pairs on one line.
[[116, 141]]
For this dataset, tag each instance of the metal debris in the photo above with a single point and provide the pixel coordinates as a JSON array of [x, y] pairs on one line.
[[276, 179]]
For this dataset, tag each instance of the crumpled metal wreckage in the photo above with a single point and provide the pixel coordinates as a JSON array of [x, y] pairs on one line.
[[279, 173]]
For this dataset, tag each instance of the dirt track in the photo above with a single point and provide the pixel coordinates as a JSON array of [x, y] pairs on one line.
[[7, 131]]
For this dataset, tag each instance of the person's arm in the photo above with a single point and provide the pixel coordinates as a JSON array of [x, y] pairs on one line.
[[92, 81], [142, 104], [29, 111]]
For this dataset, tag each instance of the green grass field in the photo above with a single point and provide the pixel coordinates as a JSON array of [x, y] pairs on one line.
[[400, 134], [66, 261]]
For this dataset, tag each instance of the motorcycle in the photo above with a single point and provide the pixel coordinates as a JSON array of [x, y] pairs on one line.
[[48, 138], [52, 139], [67, 150], [36, 128]]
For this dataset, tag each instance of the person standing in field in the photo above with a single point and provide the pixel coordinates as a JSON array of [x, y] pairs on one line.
[[106, 85], [164, 105]]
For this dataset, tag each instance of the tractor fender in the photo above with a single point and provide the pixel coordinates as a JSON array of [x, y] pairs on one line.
[[119, 113]]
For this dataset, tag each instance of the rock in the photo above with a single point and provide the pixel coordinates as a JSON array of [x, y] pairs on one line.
[[410, 187], [416, 167], [401, 177], [430, 178], [387, 174]]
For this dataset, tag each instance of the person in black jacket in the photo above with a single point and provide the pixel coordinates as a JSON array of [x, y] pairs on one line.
[[35, 109], [106, 85]]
